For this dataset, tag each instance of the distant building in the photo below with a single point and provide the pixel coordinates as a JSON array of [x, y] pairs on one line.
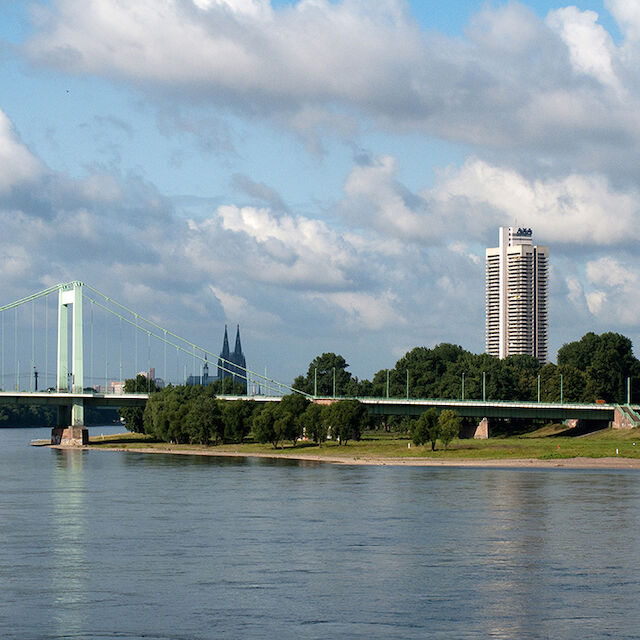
[[203, 380], [116, 387], [516, 295], [232, 364]]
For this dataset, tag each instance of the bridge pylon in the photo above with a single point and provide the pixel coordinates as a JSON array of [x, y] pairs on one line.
[[70, 379]]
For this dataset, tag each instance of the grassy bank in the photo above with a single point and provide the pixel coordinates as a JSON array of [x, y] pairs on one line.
[[543, 446]]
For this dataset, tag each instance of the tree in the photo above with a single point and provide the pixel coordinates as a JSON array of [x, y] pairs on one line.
[[291, 409], [347, 418], [426, 428], [321, 369], [264, 425], [134, 416], [228, 387], [314, 427], [204, 419], [237, 417], [607, 360], [449, 424]]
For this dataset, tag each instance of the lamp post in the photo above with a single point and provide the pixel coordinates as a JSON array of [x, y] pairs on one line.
[[387, 383], [315, 382], [484, 387], [463, 385], [407, 384], [628, 390], [538, 387], [334, 382], [560, 388]]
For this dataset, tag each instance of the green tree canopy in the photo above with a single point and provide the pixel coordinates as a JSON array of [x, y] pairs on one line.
[[426, 428], [313, 423], [322, 368], [347, 419], [449, 424], [134, 416], [237, 416]]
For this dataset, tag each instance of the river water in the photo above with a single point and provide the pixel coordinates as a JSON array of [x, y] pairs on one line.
[[115, 545]]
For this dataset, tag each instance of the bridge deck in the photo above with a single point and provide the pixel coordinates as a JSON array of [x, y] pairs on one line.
[[377, 406]]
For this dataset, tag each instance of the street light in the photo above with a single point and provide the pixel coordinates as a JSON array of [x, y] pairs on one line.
[[484, 387], [463, 385], [560, 388]]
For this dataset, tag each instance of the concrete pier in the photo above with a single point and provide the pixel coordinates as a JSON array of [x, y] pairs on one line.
[[70, 436]]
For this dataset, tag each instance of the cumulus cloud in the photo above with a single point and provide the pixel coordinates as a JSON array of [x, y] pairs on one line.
[[466, 201], [365, 311], [559, 87], [591, 48], [19, 165], [375, 197], [578, 209], [613, 297]]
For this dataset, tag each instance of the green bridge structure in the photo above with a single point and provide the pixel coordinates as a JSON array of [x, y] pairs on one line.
[[70, 395]]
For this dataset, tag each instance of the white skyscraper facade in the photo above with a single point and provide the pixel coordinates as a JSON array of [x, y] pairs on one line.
[[517, 295]]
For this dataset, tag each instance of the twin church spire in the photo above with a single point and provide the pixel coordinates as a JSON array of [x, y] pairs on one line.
[[232, 364]]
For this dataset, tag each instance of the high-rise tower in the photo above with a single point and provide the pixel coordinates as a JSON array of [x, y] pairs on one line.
[[517, 294]]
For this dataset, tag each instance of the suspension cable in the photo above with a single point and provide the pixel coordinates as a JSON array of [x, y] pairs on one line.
[[46, 342], [223, 363], [186, 351]]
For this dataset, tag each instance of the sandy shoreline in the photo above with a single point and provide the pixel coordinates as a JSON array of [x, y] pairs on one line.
[[523, 463]]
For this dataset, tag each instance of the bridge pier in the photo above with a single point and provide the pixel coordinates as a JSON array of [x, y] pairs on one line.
[[624, 417], [70, 436], [74, 434], [482, 430], [477, 432]]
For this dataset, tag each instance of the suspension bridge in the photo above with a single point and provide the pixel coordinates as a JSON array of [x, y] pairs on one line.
[[71, 347]]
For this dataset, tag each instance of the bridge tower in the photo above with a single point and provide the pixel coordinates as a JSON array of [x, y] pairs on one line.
[[76, 433]]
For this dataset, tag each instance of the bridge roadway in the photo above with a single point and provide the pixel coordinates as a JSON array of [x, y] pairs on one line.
[[376, 406]]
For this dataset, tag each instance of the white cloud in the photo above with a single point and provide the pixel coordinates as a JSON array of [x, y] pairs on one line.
[[319, 67], [18, 164], [614, 298], [288, 250], [468, 200], [591, 48], [576, 292], [573, 210], [596, 301], [365, 311], [374, 197]]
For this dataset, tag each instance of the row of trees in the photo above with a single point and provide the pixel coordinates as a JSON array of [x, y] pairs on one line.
[[594, 367], [432, 426], [193, 414]]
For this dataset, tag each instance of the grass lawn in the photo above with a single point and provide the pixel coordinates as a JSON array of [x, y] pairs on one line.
[[543, 445]]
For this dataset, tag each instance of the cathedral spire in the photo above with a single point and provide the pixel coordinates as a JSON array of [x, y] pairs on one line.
[[238, 348], [226, 352]]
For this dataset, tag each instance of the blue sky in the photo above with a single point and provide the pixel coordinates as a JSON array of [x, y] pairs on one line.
[[326, 174]]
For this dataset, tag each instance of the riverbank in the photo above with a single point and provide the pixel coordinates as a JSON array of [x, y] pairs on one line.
[[570, 463], [603, 450]]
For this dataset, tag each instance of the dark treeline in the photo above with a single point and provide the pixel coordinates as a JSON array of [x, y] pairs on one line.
[[194, 415], [39, 416], [593, 368]]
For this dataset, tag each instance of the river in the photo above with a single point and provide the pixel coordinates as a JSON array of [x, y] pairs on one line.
[[98, 544]]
